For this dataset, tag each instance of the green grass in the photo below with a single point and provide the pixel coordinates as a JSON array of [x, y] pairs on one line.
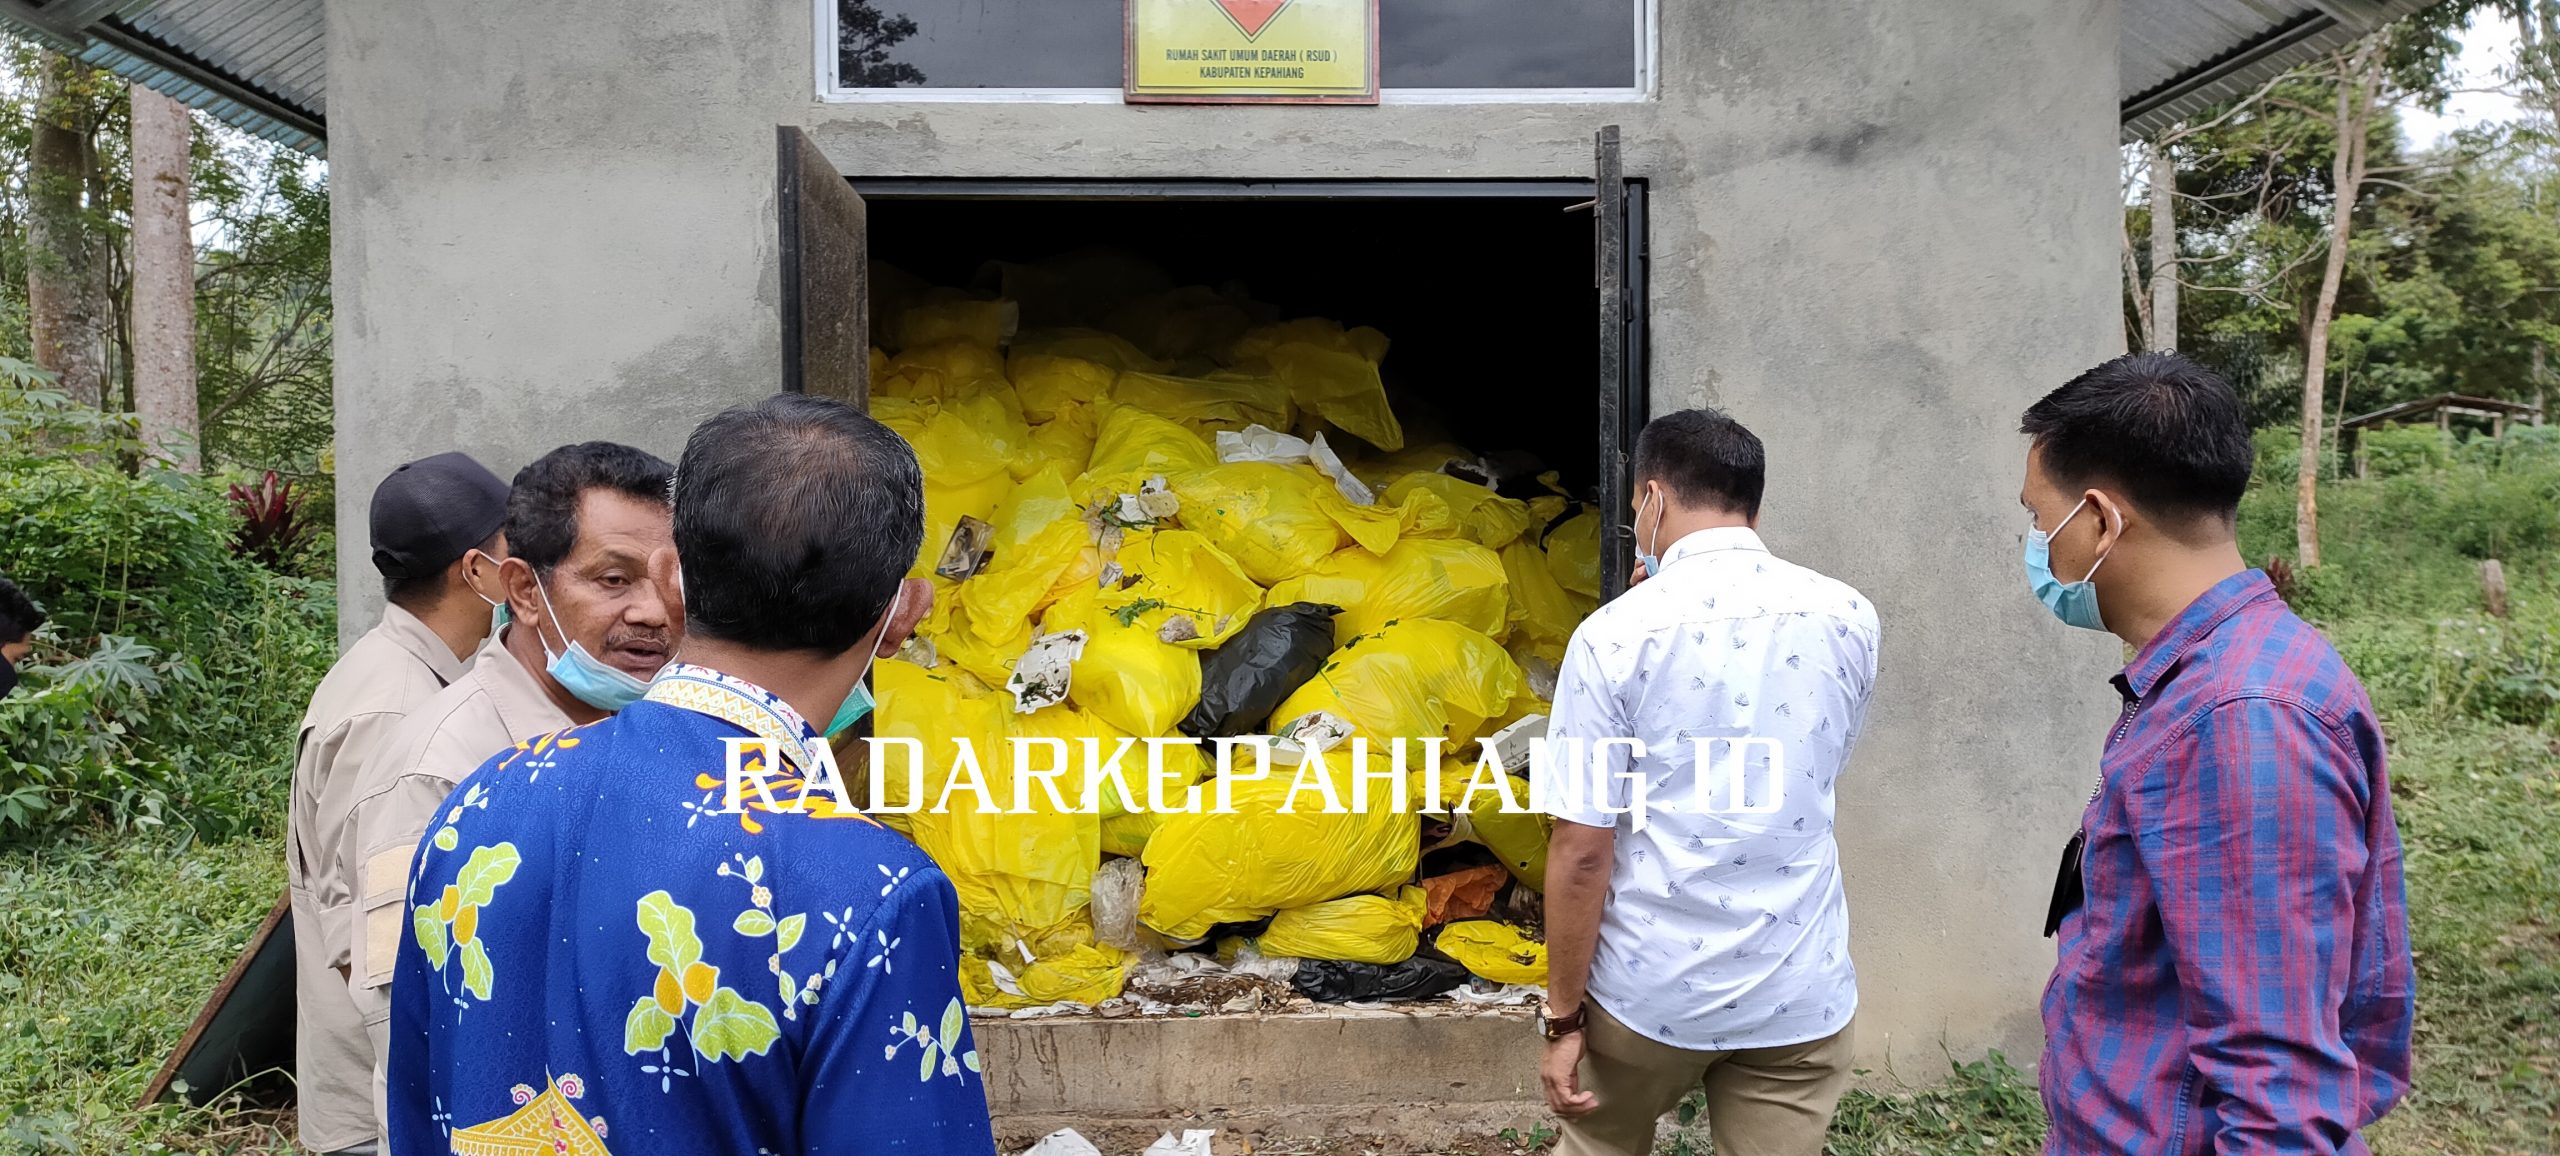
[[107, 949]]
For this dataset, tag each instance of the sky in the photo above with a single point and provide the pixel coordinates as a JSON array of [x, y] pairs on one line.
[[2488, 46]]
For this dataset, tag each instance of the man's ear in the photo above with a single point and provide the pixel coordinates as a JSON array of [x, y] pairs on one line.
[[666, 572], [915, 600], [2113, 519], [524, 598]]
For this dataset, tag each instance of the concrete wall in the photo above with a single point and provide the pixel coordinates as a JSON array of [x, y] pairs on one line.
[[1880, 228]]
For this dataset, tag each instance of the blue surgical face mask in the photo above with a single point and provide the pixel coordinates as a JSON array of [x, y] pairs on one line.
[[2075, 603], [1652, 563], [583, 675], [860, 702]]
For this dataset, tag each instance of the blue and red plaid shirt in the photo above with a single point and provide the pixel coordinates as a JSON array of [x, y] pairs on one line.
[[2238, 979]]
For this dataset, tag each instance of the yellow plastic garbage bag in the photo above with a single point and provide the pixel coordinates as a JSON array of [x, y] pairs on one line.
[[1573, 554], [1087, 973], [1354, 928], [1055, 388], [1092, 345], [963, 448], [1180, 575], [1517, 836], [1062, 444], [1428, 457], [1484, 516], [1494, 951], [918, 704], [1223, 400], [1323, 333], [1132, 446], [1192, 321], [946, 369], [983, 640], [1128, 677], [1414, 679], [1340, 387], [1446, 578], [1272, 519], [1206, 868], [958, 318], [1039, 502], [1542, 612], [1127, 835], [1002, 598], [1070, 726], [1016, 870]]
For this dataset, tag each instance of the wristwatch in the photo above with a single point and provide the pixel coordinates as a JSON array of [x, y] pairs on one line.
[[1556, 1027]]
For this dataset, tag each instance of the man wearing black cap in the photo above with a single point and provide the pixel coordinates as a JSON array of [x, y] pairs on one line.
[[431, 519]]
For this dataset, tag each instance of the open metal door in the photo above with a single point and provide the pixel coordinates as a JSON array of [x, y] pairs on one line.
[[826, 274], [1618, 272]]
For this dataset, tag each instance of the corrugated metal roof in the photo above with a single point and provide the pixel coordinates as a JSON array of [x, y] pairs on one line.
[[263, 64], [260, 65], [2178, 57]]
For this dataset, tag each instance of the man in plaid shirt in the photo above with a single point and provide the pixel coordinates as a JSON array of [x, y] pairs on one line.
[[2237, 977]]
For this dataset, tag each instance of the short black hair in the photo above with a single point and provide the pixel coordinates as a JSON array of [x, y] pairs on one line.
[[796, 517], [1705, 459], [417, 594], [19, 614], [542, 509], [2169, 432]]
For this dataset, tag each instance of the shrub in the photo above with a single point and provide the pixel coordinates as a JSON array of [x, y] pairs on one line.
[[168, 683], [2391, 451]]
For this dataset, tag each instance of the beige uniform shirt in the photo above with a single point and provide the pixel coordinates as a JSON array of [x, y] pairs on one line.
[[396, 666], [401, 793]]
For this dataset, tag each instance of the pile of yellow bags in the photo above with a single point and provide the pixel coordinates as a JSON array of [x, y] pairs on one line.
[[1069, 444]]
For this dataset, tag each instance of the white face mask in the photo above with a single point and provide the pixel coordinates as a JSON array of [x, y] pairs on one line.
[[1652, 563]]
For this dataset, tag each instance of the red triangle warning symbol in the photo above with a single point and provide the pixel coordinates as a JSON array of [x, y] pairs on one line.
[[1251, 16]]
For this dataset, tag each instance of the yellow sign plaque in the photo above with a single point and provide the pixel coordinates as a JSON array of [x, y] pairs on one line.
[[1253, 51]]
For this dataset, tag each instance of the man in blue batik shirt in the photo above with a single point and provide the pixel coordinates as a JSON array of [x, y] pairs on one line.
[[603, 957]]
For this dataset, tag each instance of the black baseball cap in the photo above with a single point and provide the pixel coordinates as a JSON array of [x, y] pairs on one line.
[[431, 511]]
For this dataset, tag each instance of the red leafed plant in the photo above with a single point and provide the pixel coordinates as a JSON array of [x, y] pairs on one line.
[[272, 529]]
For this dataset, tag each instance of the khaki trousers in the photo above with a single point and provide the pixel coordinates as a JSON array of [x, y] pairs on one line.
[[1760, 1101]]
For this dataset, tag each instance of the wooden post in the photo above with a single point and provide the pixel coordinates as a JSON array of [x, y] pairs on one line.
[[2493, 587]]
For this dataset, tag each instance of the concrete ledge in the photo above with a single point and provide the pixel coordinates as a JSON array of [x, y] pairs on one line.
[[1338, 1073], [1372, 1129]]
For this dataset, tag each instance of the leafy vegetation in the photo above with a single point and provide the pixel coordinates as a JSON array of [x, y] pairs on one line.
[[167, 685]]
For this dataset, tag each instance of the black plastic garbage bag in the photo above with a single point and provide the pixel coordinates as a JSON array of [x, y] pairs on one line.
[[1242, 682], [1427, 974]]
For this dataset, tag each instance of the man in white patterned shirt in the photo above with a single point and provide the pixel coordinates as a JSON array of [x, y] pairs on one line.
[[1696, 927]]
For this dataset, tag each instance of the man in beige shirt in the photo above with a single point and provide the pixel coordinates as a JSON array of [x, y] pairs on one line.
[[588, 629], [428, 520]]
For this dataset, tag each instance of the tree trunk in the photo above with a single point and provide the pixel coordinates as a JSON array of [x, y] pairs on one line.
[[2356, 84], [164, 279], [66, 268], [2164, 247]]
